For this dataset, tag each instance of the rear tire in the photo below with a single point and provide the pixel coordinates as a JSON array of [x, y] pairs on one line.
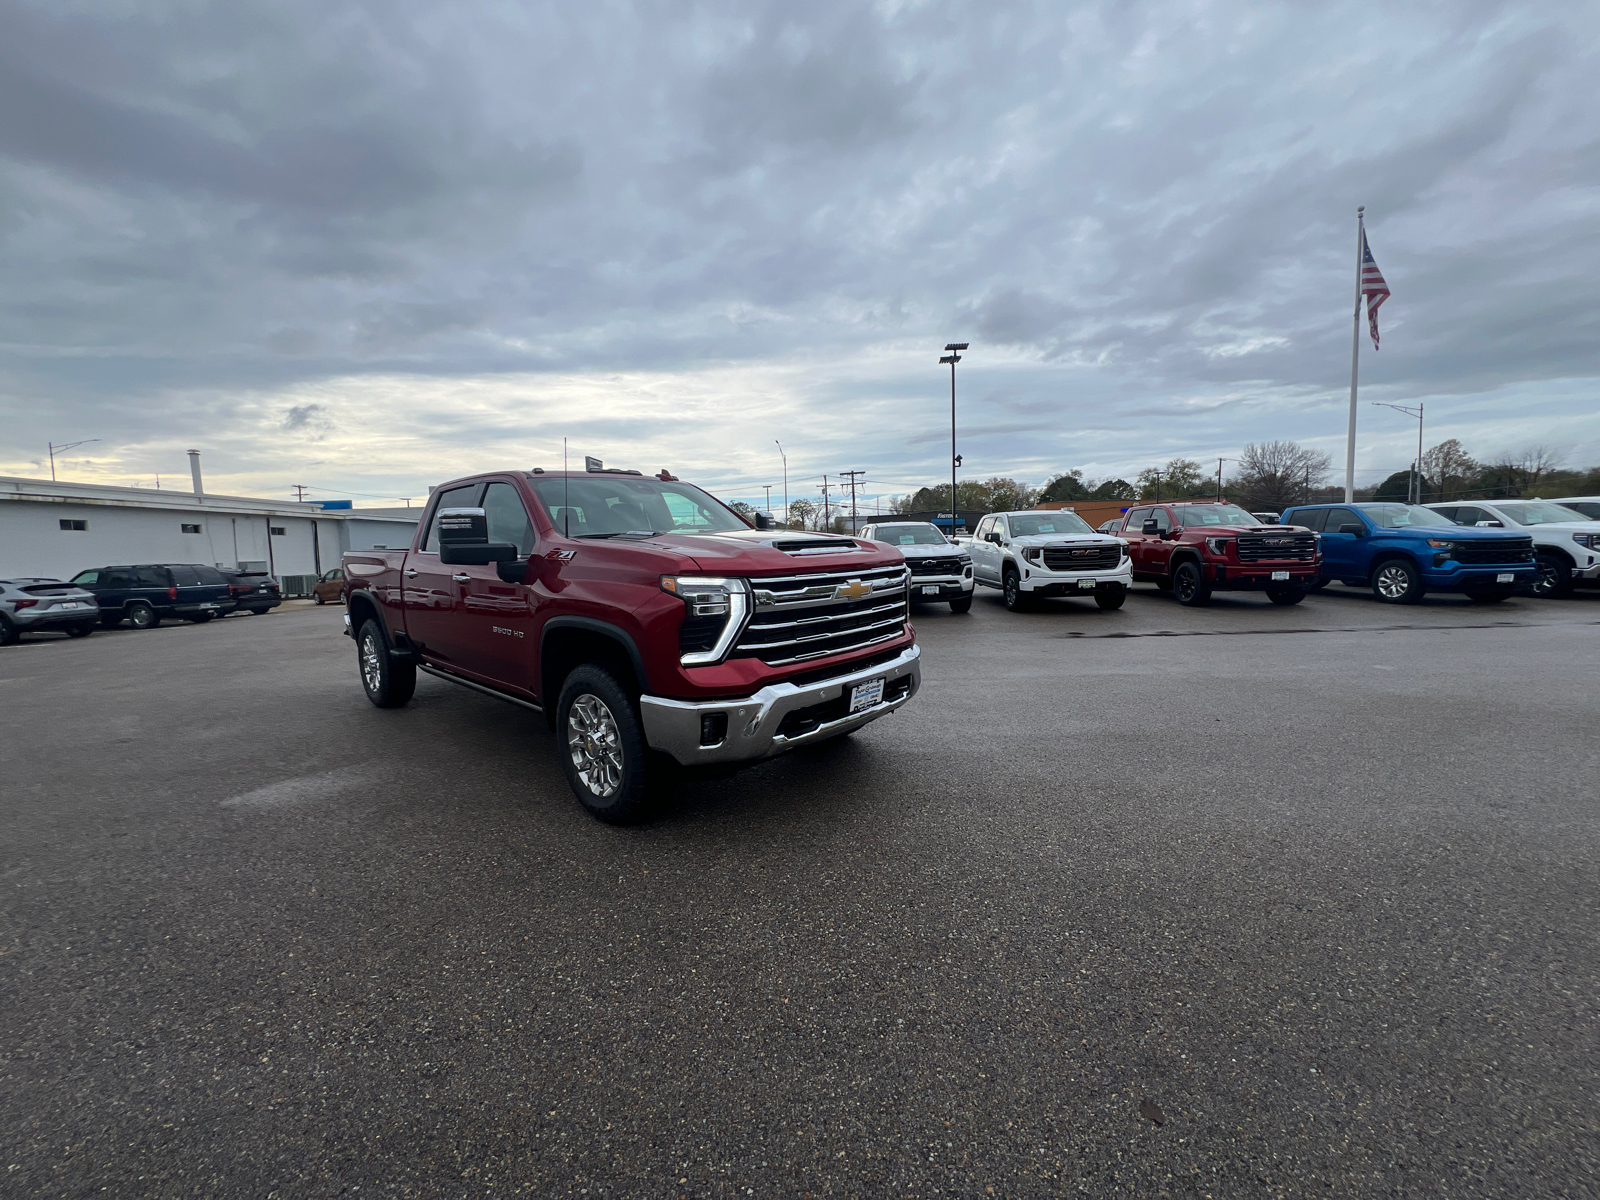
[[1111, 601], [603, 751], [80, 631], [1286, 596], [1397, 582], [388, 682], [8, 632], [316, 598], [200, 618], [1189, 585], [962, 605], [1320, 584], [142, 616], [1554, 577]]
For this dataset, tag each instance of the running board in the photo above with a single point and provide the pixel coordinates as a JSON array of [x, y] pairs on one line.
[[478, 687]]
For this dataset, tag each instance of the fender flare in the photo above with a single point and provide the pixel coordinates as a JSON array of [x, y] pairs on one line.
[[605, 629]]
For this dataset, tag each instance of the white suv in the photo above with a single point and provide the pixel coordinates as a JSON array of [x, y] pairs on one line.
[[940, 569], [1049, 553], [1565, 540]]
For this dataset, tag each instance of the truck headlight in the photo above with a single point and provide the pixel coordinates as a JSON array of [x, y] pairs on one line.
[[1218, 546], [1032, 554], [715, 609], [1590, 540]]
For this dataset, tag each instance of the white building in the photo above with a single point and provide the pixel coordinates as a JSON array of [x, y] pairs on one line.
[[55, 530]]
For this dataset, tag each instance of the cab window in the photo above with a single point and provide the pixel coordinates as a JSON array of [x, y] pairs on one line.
[[1338, 517], [507, 517], [1136, 519], [86, 578], [1162, 518], [456, 497]]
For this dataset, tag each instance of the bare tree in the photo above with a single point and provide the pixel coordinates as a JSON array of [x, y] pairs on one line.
[[1450, 470], [1276, 475], [1537, 462]]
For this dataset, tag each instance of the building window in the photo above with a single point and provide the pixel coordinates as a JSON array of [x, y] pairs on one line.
[[67, 523], [277, 530], [191, 529]]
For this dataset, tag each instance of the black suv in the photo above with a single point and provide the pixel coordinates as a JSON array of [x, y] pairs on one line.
[[144, 595], [253, 592]]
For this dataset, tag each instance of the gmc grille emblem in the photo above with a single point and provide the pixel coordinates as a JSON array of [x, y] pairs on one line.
[[1083, 553]]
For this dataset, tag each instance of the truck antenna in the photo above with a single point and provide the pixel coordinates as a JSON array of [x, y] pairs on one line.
[[566, 493]]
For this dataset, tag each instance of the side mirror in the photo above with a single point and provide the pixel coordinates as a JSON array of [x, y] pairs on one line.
[[995, 538], [464, 539], [1150, 527], [1357, 529], [765, 522]]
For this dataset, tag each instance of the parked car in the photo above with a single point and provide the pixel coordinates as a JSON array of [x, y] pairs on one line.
[[1195, 548], [1029, 555], [940, 569], [330, 587], [1109, 528], [1404, 551], [1589, 506], [650, 623], [145, 595], [1267, 518], [31, 604], [253, 591], [1566, 544]]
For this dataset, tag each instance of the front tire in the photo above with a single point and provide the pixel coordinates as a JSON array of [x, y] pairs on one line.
[[142, 616], [1554, 577], [1189, 585], [603, 750], [316, 598], [1286, 596], [1397, 582], [964, 604], [388, 682], [8, 633], [1110, 601], [1016, 600]]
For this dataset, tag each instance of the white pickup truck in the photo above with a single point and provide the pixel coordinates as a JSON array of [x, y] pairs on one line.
[[1565, 541], [940, 569], [1028, 555]]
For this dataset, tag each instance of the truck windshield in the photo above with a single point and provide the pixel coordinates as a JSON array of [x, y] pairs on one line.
[[1057, 522], [1404, 516], [609, 505], [921, 534], [1538, 513], [1213, 514]]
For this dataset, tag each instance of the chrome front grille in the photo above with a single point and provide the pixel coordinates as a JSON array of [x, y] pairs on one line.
[[801, 617], [1082, 558], [1277, 547]]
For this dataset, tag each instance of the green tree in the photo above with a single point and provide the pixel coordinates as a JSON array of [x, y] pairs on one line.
[[1396, 488], [801, 513], [1449, 471], [1114, 489], [1066, 486], [1179, 479], [744, 510]]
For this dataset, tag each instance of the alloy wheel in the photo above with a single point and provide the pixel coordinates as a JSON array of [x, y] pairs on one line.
[[371, 662], [1393, 581], [595, 744], [1548, 579]]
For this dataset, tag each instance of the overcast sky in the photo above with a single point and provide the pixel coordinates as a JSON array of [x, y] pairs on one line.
[[368, 247]]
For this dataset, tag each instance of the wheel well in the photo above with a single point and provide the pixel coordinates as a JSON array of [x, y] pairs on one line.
[[1392, 556], [363, 609], [1183, 556], [1556, 551], [567, 648]]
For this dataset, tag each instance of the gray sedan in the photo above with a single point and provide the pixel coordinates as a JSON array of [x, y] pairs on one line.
[[45, 604]]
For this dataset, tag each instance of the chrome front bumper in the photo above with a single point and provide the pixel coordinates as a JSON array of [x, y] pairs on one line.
[[1040, 577], [674, 726]]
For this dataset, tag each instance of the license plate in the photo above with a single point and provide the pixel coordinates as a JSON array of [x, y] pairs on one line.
[[1280, 574], [69, 604], [866, 695], [930, 589], [1508, 577], [1086, 585]]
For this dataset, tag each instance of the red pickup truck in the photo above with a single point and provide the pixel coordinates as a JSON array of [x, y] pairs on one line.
[[653, 626], [1193, 548]]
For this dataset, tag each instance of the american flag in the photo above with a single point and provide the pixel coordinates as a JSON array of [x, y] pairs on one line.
[[1372, 287]]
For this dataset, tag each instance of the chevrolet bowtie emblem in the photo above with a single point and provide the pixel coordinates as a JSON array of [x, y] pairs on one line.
[[853, 590]]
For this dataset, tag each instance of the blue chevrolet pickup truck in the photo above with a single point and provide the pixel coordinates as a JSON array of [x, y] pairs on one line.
[[1404, 551]]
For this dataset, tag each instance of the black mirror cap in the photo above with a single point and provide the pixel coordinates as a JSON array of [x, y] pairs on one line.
[[1358, 530], [1150, 527], [765, 522], [480, 555]]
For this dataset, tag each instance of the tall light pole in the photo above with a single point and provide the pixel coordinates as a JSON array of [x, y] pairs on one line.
[[1417, 413], [953, 357], [68, 446], [779, 445]]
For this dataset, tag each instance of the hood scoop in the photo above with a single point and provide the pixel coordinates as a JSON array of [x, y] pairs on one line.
[[803, 546]]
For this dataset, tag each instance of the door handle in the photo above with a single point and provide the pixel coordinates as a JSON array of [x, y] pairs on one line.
[[462, 578], [411, 572]]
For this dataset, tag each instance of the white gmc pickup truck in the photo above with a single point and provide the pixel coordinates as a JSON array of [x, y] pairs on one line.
[[1028, 555]]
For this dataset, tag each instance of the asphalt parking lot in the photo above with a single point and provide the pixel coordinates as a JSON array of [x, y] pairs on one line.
[[1315, 886]]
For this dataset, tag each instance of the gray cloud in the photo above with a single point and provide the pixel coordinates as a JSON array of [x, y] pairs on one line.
[[1150, 205]]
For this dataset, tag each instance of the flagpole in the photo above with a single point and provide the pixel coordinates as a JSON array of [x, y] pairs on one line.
[[1355, 360]]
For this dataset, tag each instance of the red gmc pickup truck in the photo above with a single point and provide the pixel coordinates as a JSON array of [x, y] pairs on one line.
[[651, 624]]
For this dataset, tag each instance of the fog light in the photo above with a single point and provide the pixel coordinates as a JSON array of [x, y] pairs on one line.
[[713, 729]]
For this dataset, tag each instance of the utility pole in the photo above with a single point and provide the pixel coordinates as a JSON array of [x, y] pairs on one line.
[[852, 475], [779, 445], [826, 520], [299, 492], [1220, 461], [1157, 474], [953, 356], [68, 446], [768, 489]]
